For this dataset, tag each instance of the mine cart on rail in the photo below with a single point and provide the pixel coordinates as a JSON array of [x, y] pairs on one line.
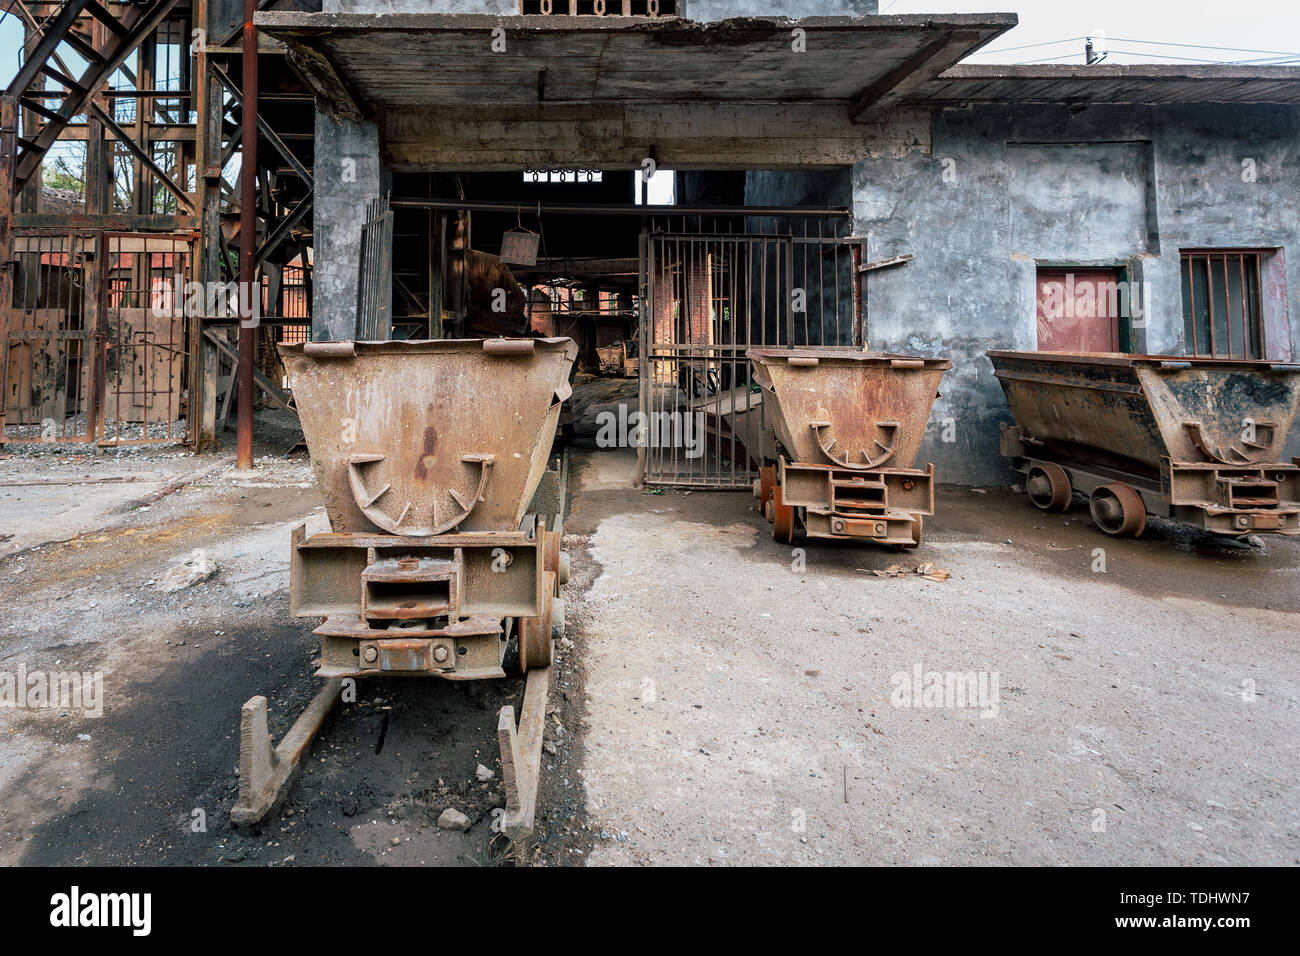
[[1198, 440], [847, 425], [429, 455]]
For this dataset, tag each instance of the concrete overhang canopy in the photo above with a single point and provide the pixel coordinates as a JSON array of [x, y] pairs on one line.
[[359, 62], [1106, 83]]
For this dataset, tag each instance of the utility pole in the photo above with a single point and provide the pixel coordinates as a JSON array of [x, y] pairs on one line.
[[1091, 54]]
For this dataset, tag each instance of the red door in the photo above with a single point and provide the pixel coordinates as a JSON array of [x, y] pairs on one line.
[[1078, 310]]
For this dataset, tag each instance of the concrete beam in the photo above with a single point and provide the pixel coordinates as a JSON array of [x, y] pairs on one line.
[[317, 71], [683, 136], [895, 86], [1140, 83], [398, 60]]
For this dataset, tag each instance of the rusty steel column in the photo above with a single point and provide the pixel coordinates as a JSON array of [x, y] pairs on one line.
[[247, 242], [8, 149], [858, 330]]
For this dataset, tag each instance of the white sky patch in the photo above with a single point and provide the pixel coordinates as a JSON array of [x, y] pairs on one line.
[[1269, 26]]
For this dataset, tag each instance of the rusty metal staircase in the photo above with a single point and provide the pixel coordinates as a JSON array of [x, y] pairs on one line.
[[72, 24]]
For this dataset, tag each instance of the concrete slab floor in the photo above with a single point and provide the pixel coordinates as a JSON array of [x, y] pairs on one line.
[[743, 708]]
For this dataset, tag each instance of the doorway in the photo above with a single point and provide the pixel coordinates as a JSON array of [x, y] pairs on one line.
[[1078, 310]]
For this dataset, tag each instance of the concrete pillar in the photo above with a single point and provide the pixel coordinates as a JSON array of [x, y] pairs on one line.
[[348, 175]]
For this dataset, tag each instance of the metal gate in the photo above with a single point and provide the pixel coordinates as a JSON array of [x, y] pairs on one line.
[[95, 344], [705, 299], [375, 288]]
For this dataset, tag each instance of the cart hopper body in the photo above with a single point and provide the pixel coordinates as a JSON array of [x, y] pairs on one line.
[[1188, 433], [848, 425], [1148, 408], [419, 438], [429, 454], [847, 407]]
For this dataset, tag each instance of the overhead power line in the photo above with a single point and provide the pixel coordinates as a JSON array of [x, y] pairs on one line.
[[1274, 57], [1182, 59], [1030, 46], [1048, 59], [1202, 46]]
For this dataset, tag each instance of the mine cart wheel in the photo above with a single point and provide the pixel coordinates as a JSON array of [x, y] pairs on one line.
[[766, 479], [1117, 509], [782, 518], [1048, 487], [553, 557], [917, 525], [535, 641]]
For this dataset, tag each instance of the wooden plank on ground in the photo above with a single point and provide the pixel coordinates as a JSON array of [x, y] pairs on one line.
[[521, 754]]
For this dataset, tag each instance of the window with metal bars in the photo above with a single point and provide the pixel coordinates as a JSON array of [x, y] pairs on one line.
[[1222, 303]]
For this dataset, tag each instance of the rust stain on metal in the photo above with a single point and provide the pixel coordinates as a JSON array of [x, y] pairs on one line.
[[430, 443]]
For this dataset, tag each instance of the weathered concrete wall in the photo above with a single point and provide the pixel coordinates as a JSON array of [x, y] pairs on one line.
[[1006, 188], [348, 175], [503, 7], [706, 10], [701, 10], [824, 273]]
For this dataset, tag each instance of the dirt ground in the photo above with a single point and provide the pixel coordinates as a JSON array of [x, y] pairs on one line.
[[153, 779], [741, 705], [720, 699]]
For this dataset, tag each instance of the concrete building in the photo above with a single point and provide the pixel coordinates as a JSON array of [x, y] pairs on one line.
[[1143, 195]]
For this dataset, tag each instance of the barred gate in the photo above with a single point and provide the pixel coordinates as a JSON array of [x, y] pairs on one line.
[[95, 345], [375, 288], [706, 298]]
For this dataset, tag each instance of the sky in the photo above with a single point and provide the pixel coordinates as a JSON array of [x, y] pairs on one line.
[[1269, 26]]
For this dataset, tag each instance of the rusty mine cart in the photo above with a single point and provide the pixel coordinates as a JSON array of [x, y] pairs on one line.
[[847, 426], [432, 457], [1198, 440]]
